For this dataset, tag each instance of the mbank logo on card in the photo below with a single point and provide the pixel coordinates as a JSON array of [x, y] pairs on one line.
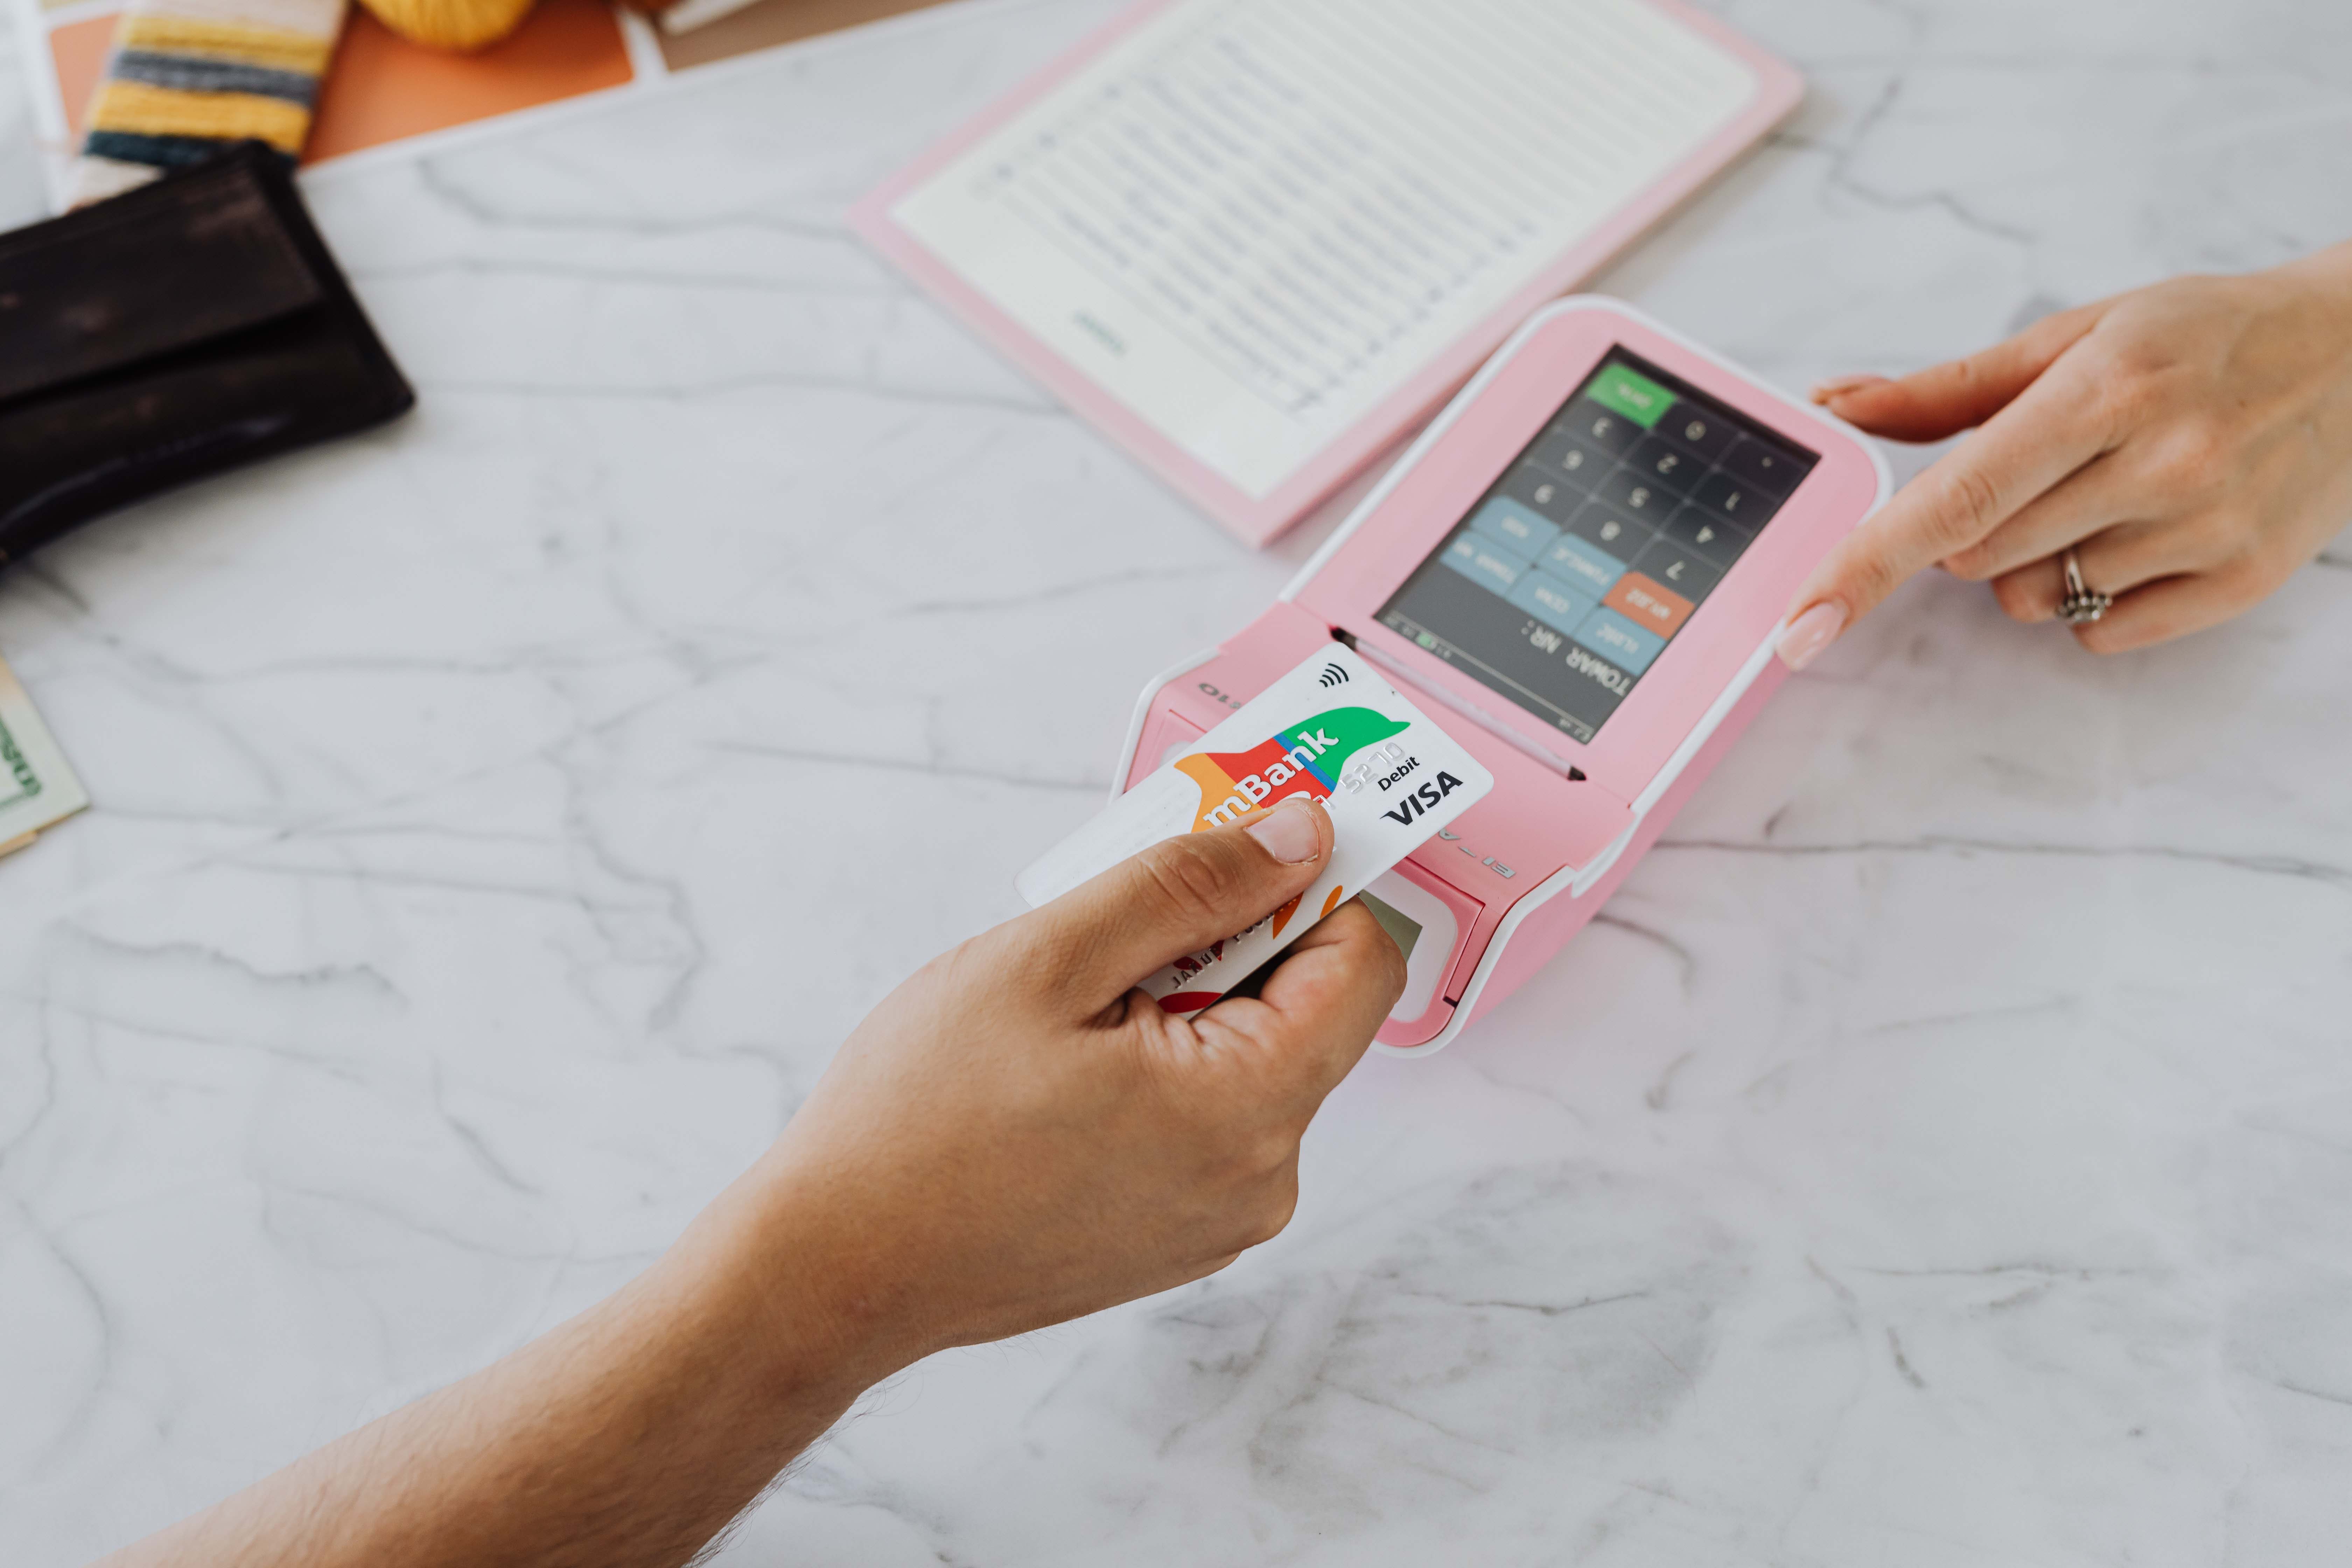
[[1305, 759]]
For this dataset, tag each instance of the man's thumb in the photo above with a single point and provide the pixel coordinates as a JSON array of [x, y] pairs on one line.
[[1182, 894]]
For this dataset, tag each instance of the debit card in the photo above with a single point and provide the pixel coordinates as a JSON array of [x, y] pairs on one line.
[[1333, 729]]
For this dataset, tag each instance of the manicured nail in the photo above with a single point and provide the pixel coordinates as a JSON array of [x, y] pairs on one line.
[[1288, 832], [1812, 632], [1839, 386]]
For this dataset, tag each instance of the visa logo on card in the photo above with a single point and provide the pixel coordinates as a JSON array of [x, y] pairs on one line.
[[1332, 728]]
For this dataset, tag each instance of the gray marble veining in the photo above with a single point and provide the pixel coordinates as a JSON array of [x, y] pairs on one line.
[[1940, 1153]]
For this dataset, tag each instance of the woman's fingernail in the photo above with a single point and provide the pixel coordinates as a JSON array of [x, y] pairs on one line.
[[1839, 386], [1288, 832], [1812, 632]]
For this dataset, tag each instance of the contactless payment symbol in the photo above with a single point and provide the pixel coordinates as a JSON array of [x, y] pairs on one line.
[[1305, 759]]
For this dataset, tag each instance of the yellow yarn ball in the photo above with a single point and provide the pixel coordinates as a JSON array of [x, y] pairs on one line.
[[464, 25]]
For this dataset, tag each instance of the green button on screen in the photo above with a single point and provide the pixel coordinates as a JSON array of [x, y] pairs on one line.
[[1634, 395]]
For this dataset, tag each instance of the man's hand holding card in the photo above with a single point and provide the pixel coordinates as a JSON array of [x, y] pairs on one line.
[[1333, 729]]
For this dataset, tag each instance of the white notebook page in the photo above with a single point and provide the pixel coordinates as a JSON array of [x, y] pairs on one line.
[[1250, 221]]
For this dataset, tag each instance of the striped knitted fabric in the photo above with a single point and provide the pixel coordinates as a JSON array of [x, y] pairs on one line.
[[188, 77]]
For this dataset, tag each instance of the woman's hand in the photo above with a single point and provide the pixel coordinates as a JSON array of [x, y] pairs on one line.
[[2192, 441]]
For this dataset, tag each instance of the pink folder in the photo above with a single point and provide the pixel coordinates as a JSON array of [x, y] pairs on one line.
[[1257, 518]]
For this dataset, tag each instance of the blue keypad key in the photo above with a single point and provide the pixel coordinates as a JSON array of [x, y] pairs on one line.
[[1485, 562], [1619, 640], [1518, 528], [1552, 601], [1581, 564]]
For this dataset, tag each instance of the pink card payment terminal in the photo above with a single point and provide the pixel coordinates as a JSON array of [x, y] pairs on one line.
[[1578, 570]]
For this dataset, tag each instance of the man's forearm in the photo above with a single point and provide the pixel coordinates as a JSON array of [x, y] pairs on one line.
[[629, 1436], [1012, 1139]]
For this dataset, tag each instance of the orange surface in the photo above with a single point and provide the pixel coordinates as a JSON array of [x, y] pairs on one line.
[[1648, 603], [79, 50], [381, 89]]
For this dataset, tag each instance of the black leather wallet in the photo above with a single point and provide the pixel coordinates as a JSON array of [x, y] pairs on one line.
[[190, 326]]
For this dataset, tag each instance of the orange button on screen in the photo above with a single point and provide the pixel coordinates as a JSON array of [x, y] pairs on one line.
[[1646, 603]]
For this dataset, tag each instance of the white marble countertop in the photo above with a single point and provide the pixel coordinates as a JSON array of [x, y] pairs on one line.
[[1941, 1153]]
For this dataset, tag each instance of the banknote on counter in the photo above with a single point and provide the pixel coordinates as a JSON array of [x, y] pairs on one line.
[[37, 790]]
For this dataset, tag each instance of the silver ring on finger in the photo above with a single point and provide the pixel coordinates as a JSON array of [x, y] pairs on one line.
[[2080, 606]]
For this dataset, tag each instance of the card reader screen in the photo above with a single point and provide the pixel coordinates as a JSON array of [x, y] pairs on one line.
[[1573, 572]]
